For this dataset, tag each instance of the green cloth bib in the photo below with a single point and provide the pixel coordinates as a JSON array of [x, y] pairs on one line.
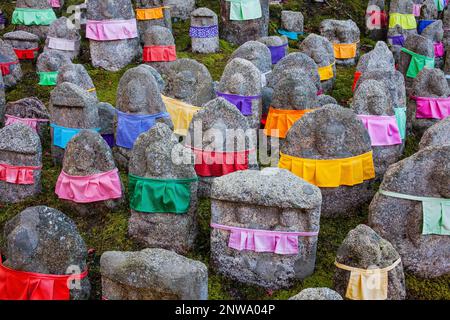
[[418, 62], [439, 5], [400, 114], [160, 195], [33, 17], [436, 212], [48, 78], [241, 10]]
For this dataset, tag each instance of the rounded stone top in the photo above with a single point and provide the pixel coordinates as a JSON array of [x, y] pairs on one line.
[[292, 20], [317, 294], [240, 77], [204, 12], [30, 107], [294, 91], [138, 92], [271, 187], [425, 174], [364, 248], [324, 99], [60, 29], [273, 41], [434, 31], [19, 138], [149, 3], [70, 95], [109, 10], [340, 31], [330, 132], [158, 154], [429, 9], [255, 52], [319, 49], [372, 98], [51, 61], [159, 79], [35, 4], [158, 36], [87, 153], [44, 240], [76, 74], [380, 57], [420, 45], [7, 53], [430, 83], [437, 135], [189, 81], [217, 118], [21, 36], [401, 6], [296, 63]]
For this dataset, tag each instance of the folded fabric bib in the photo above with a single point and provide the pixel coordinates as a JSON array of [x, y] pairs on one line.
[[152, 195], [48, 78], [367, 284], [130, 126], [356, 77], [17, 174], [397, 40], [439, 50], [292, 35], [150, 13], [54, 3], [30, 122], [331, 173], [418, 62], [400, 115], [33, 17], [377, 19], [181, 114], [26, 54], [23, 285], [404, 20], [345, 50], [87, 189], [243, 103], [383, 130], [279, 121], [278, 52], [241, 10], [5, 67], [204, 32], [61, 44], [436, 212], [159, 54], [62, 135], [432, 108], [326, 73], [423, 24], [219, 163], [108, 30], [278, 242], [416, 9]]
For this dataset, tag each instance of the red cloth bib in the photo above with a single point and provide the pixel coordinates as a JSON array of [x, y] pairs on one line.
[[22, 285], [217, 164], [5, 67], [159, 54], [358, 75], [26, 54]]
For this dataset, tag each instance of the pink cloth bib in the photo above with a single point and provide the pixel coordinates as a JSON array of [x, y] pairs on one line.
[[54, 3], [278, 242], [383, 130], [32, 123], [416, 9], [17, 174], [86, 189], [439, 50], [61, 44], [432, 108], [108, 30]]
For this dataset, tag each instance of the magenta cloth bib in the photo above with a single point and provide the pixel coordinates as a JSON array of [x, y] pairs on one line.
[[86, 189], [432, 108], [383, 130], [30, 122], [279, 242], [107, 30], [439, 50]]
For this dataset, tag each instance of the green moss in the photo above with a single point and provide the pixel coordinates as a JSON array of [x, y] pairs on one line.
[[109, 232]]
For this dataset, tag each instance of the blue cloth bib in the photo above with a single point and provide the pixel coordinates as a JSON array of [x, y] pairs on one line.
[[423, 24], [62, 135], [290, 34], [130, 126]]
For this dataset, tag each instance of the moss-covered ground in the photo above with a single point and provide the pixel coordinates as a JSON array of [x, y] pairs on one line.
[[110, 232]]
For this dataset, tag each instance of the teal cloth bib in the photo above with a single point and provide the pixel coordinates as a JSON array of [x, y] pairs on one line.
[[241, 10]]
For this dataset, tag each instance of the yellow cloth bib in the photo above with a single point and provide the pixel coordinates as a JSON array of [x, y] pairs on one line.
[[406, 21], [326, 73], [150, 13], [345, 50], [331, 173], [181, 114], [367, 284]]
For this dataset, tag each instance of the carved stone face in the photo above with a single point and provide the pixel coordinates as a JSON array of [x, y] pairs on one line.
[[156, 160], [331, 138], [137, 97], [236, 85], [184, 85], [202, 21], [376, 102]]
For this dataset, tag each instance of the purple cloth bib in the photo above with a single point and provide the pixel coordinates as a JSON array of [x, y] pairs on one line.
[[278, 52], [243, 103], [398, 40], [204, 32], [109, 138]]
